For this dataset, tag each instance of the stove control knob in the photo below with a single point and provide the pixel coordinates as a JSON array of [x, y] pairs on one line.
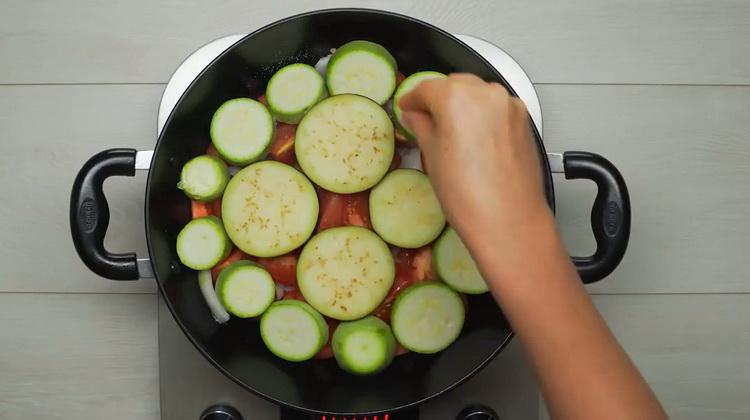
[[220, 412], [477, 412]]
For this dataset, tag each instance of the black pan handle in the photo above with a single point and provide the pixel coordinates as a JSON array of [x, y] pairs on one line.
[[89, 214], [610, 215]]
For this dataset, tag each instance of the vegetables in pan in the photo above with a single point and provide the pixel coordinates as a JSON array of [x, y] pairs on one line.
[[405, 87], [363, 68], [202, 243], [427, 317], [245, 289], [293, 330], [241, 131], [323, 227], [203, 178], [364, 346], [293, 90], [404, 209], [455, 266], [269, 209], [345, 143], [345, 272]]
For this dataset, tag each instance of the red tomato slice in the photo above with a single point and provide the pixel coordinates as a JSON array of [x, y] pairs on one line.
[[358, 209], [199, 209], [216, 207], [332, 210], [327, 351], [293, 294], [399, 78], [412, 266], [211, 150], [344, 209], [282, 147], [400, 349], [283, 269], [262, 99], [233, 256]]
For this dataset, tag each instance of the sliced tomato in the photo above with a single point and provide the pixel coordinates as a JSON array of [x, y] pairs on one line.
[[358, 209], [400, 349], [332, 209], [262, 99], [283, 269], [216, 207], [211, 150], [199, 209], [327, 351], [412, 266], [399, 78], [282, 147], [294, 294], [235, 255], [344, 209]]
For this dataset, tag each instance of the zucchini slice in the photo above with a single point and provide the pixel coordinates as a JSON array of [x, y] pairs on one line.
[[362, 68], [203, 178], [245, 289], [455, 266], [345, 143], [405, 87], [202, 243], [242, 130], [293, 90], [293, 330], [404, 210], [427, 317], [363, 347], [269, 209], [345, 272]]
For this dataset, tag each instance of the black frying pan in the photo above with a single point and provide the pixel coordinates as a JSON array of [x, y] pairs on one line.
[[236, 348]]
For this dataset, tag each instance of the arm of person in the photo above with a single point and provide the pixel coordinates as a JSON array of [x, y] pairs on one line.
[[478, 152]]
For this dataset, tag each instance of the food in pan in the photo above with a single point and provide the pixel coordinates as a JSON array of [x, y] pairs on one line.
[[328, 232]]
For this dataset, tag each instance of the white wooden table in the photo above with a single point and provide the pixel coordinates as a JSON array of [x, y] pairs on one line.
[[661, 87]]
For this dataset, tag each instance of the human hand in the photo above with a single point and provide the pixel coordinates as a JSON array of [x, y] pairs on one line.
[[480, 155]]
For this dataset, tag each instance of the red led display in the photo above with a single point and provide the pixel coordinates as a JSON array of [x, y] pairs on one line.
[[383, 417]]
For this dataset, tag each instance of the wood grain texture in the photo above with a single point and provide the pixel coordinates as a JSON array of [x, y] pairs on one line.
[[48, 133], [692, 349], [68, 356], [576, 41], [685, 155]]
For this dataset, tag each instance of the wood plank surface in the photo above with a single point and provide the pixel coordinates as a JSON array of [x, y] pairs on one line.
[[685, 156], [576, 41], [48, 133], [692, 349], [73, 356]]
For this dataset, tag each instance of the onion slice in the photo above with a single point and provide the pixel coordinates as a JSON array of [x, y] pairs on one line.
[[411, 157], [209, 294]]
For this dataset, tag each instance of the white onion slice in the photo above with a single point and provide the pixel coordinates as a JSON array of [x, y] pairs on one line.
[[280, 290], [411, 157], [322, 65], [209, 294]]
